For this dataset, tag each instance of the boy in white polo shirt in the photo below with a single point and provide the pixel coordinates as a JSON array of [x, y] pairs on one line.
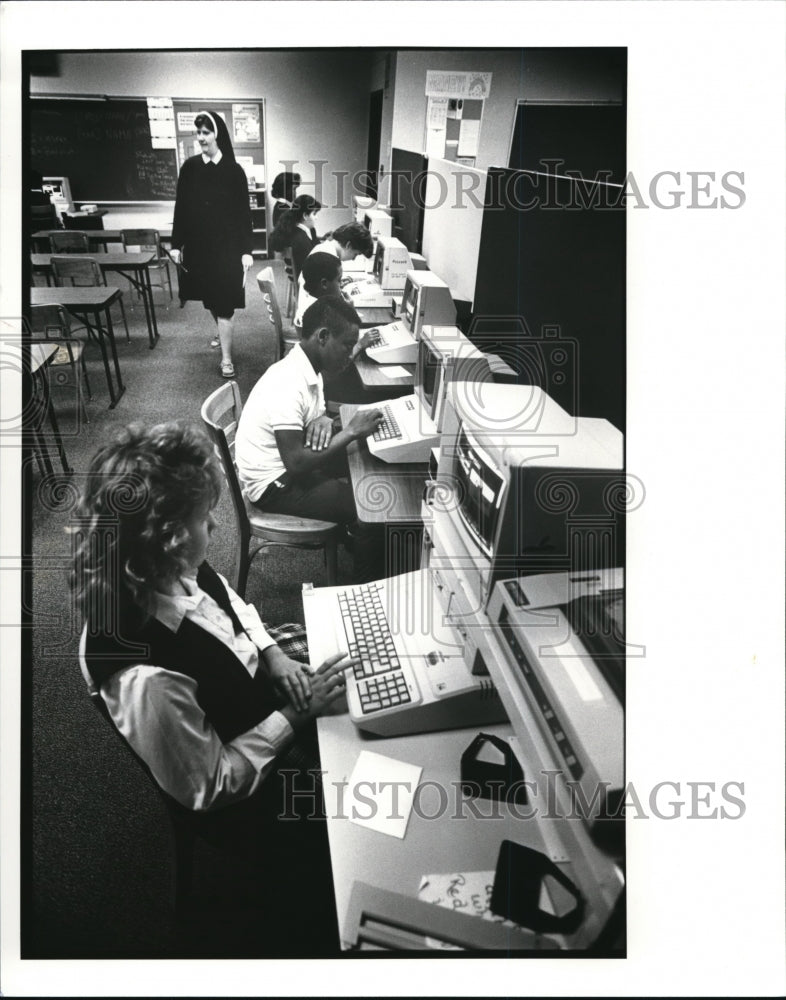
[[290, 455]]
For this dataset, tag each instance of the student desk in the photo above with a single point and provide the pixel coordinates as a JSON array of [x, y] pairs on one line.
[[134, 266], [90, 301], [388, 494], [100, 237], [444, 833]]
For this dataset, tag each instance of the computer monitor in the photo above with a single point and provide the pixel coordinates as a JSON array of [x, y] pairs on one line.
[[444, 356], [523, 488], [426, 301], [391, 263], [378, 222]]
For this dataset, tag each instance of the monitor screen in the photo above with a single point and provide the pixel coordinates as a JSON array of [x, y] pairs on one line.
[[430, 362], [409, 303], [379, 261], [481, 488]]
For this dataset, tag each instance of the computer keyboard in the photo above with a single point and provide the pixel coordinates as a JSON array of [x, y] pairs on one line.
[[380, 679], [389, 429], [381, 340]]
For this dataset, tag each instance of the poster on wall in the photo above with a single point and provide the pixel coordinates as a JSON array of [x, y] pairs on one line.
[[453, 128], [245, 120], [436, 126], [447, 83]]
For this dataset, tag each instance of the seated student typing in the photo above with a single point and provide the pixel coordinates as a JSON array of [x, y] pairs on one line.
[[191, 678], [290, 455], [221, 714], [346, 243], [322, 276]]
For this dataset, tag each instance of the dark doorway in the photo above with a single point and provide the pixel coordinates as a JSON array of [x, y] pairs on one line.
[[374, 136]]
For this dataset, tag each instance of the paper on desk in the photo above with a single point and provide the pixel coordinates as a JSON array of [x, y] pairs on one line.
[[465, 892], [469, 893], [395, 371], [380, 793]]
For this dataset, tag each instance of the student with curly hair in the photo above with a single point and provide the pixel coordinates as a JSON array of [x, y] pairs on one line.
[[193, 680]]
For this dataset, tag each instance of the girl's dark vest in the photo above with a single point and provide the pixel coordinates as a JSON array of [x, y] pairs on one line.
[[231, 699]]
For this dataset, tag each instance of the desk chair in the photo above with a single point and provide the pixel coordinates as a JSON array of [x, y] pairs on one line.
[[74, 272], [182, 825], [289, 270], [284, 341], [68, 242], [149, 239], [43, 217], [53, 322], [221, 415]]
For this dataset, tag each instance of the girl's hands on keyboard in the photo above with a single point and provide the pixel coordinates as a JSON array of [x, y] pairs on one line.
[[329, 683], [292, 680]]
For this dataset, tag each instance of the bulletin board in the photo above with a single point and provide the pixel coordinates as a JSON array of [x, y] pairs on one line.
[[454, 114], [245, 120]]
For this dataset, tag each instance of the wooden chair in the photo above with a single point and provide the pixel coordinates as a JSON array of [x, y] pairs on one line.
[[84, 272], [284, 341], [53, 322], [69, 242], [257, 529], [149, 239]]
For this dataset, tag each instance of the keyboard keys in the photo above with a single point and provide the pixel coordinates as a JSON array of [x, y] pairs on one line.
[[367, 631], [389, 429], [385, 691]]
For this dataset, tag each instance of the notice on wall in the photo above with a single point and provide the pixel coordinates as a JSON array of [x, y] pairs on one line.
[[245, 121], [436, 126], [185, 121], [446, 83], [161, 118]]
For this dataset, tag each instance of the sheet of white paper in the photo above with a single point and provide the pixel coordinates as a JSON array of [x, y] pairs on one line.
[[465, 892], [380, 793], [469, 133], [394, 371]]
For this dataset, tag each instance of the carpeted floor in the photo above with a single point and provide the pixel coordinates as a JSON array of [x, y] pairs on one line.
[[97, 858]]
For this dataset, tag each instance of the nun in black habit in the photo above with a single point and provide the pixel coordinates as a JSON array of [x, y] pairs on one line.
[[211, 232]]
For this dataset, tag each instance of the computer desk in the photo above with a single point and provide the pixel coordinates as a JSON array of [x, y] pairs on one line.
[[373, 376], [451, 833], [446, 832], [390, 495], [374, 316]]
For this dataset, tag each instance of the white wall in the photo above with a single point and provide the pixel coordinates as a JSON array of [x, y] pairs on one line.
[[518, 74], [452, 224], [316, 106]]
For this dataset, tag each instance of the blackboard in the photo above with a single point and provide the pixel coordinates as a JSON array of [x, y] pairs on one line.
[[552, 254], [103, 147], [574, 139]]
